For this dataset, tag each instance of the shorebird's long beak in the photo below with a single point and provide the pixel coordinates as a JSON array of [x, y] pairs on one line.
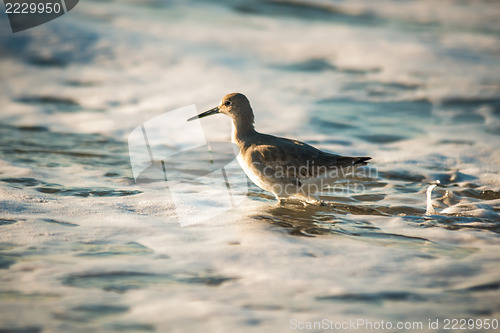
[[215, 110]]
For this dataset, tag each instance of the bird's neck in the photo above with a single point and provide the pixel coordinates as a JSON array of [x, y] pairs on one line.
[[242, 130]]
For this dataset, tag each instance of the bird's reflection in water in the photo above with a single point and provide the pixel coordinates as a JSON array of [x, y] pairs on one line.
[[310, 221]]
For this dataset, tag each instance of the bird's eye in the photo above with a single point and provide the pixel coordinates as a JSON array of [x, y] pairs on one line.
[[227, 103]]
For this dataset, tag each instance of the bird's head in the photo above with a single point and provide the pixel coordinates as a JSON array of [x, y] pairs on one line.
[[234, 105]]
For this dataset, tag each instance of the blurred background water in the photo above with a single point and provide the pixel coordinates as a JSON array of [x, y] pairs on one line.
[[413, 84]]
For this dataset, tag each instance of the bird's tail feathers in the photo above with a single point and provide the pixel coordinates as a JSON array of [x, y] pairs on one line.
[[358, 161]]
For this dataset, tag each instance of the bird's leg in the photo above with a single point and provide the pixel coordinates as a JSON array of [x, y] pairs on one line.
[[313, 199], [307, 196], [281, 201], [318, 202]]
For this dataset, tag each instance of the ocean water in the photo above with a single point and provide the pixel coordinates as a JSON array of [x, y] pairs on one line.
[[413, 84]]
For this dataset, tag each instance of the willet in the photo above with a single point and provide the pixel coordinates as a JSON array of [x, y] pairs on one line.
[[285, 167]]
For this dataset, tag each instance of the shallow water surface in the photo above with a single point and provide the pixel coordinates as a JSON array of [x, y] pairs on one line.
[[413, 84]]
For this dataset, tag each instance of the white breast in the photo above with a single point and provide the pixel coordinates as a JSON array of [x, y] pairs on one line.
[[254, 176]]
